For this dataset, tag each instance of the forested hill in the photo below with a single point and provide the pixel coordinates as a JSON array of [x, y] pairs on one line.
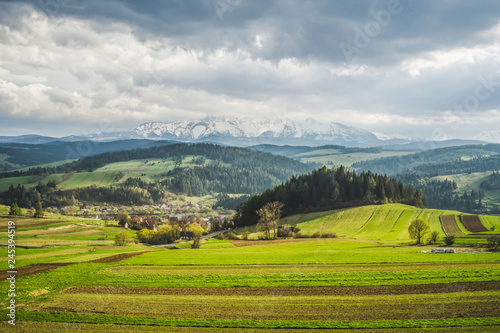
[[442, 158], [20, 155], [326, 189], [211, 169], [237, 157]]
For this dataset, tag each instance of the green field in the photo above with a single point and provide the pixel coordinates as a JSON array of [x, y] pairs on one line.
[[370, 280]]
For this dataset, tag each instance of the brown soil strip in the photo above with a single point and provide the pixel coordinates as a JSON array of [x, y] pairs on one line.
[[32, 269], [450, 225], [20, 224], [292, 291], [472, 223], [118, 257]]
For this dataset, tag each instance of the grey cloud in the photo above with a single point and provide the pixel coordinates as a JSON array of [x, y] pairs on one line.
[[285, 52]]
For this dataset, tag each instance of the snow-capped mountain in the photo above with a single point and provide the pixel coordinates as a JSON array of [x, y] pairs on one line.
[[248, 131]]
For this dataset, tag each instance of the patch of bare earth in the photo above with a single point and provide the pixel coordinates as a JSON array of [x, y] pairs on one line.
[[38, 292]]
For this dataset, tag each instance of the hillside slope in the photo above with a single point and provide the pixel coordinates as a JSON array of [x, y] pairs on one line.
[[388, 223]]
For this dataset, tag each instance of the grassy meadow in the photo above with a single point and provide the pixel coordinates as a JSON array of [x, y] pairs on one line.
[[371, 279]]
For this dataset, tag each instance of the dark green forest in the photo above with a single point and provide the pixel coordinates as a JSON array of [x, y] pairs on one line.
[[326, 189]]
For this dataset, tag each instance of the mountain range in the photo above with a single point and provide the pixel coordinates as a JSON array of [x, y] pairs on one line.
[[246, 132]]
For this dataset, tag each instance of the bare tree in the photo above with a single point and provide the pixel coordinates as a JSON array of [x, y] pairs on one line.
[[269, 217]]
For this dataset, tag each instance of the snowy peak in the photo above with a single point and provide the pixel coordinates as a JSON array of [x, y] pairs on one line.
[[271, 130]]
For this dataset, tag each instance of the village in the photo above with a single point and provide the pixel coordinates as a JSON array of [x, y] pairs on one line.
[[152, 216]]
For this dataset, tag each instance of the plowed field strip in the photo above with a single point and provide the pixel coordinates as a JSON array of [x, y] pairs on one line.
[[450, 225], [32, 270], [292, 291], [472, 223]]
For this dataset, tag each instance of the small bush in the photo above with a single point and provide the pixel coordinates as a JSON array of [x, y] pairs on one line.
[[449, 240], [245, 235], [329, 235], [433, 237], [316, 235], [300, 235]]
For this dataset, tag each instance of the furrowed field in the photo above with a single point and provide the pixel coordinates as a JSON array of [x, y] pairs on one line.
[[372, 279]]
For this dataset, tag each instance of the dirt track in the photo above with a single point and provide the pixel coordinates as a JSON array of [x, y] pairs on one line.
[[292, 291]]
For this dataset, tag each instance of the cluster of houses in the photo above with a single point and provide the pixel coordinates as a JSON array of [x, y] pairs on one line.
[[146, 216], [96, 212], [152, 222]]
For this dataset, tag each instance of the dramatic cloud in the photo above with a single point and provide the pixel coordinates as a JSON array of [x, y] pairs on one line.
[[418, 68]]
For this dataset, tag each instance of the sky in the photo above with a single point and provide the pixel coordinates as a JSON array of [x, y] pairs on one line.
[[421, 69]]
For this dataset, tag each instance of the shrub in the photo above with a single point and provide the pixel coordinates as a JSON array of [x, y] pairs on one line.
[[449, 240], [300, 235], [121, 238], [433, 237], [245, 235], [316, 235], [329, 235]]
